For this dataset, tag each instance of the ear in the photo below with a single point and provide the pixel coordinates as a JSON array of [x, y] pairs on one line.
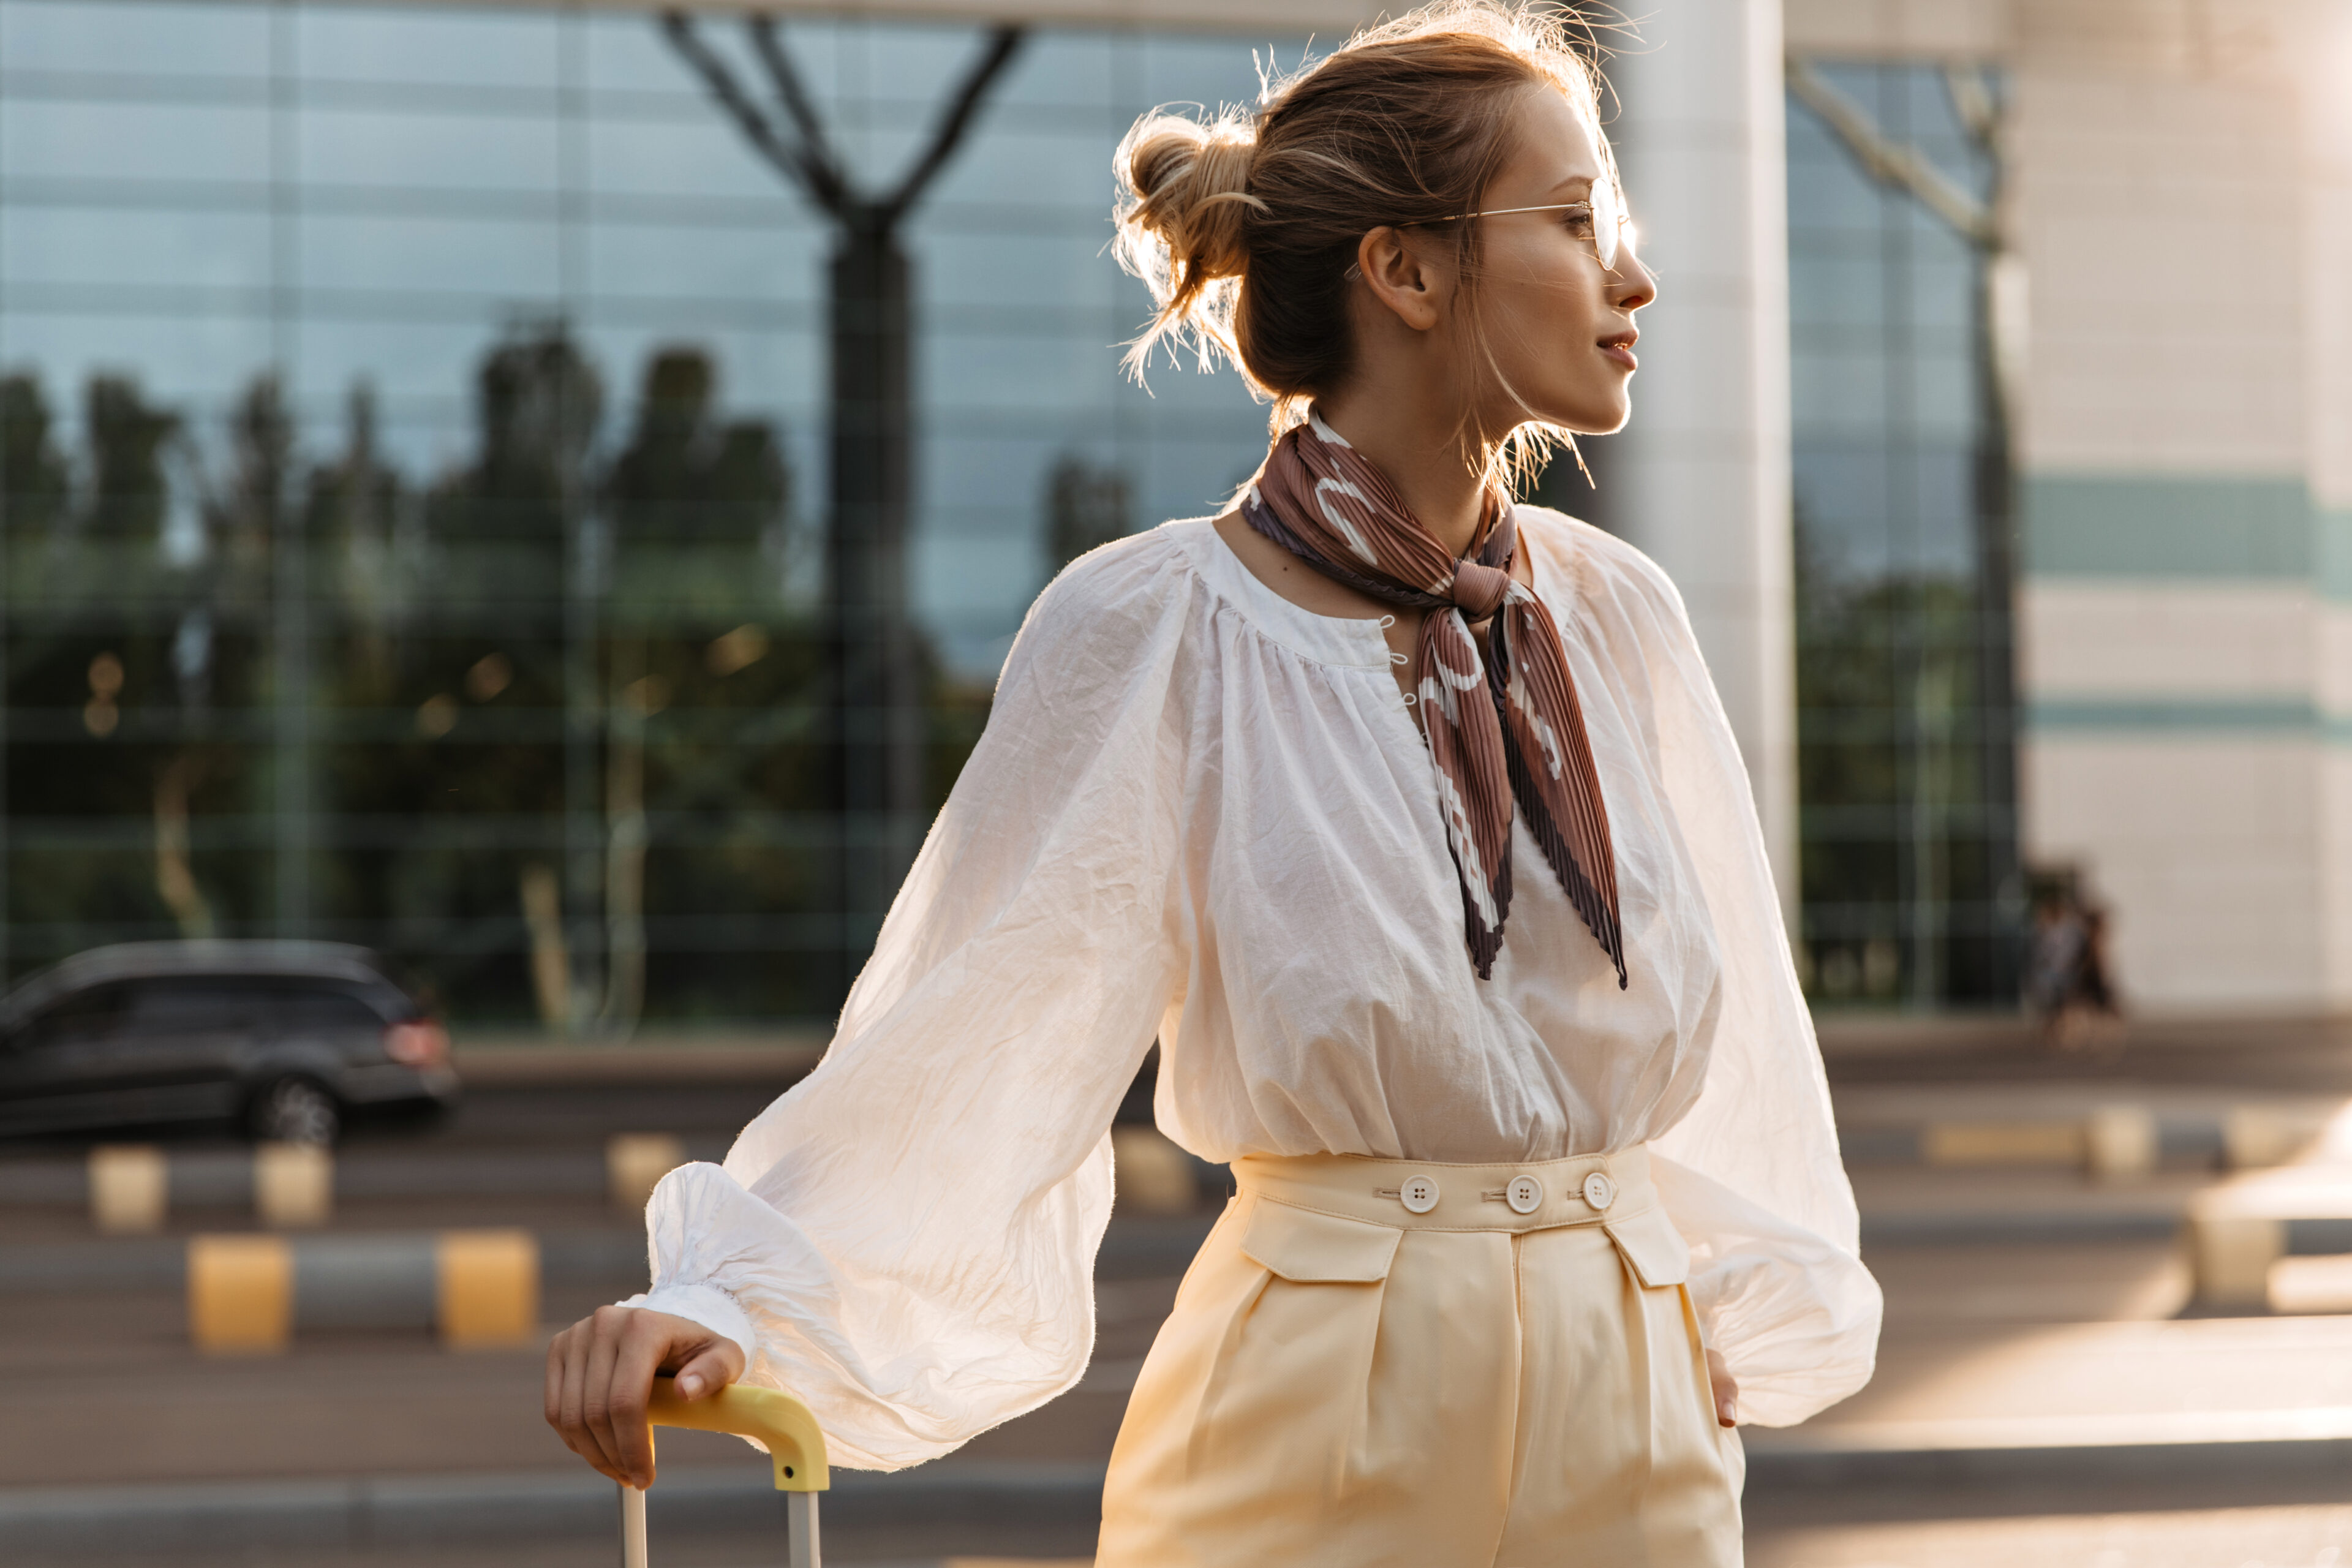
[[1401, 275]]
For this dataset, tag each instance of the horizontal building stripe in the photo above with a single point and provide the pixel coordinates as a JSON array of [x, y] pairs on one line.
[[2248, 716], [2334, 532], [2138, 525]]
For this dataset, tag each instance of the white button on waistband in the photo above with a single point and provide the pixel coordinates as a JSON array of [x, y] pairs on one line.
[[1525, 1194], [1599, 1191], [1419, 1193]]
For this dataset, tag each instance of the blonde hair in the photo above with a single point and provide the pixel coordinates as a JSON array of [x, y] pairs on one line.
[[1244, 223]]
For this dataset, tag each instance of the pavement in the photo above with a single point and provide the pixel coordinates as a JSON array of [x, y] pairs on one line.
[[2047, 1393]]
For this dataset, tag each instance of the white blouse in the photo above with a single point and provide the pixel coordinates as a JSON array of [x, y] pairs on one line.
[[1203, 814]]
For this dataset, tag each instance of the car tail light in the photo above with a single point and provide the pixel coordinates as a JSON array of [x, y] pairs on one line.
[[418, 1043]]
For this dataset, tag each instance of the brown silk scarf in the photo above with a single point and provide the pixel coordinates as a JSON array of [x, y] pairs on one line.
[[1503, 728]]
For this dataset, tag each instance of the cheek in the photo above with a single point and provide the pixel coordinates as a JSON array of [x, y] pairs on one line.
[[1541, 321]]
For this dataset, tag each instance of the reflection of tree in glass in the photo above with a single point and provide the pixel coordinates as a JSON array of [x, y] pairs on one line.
[[683, 477], [260, 473], [537, 404], [564, 662], [1086, 506], [1890, 733], [130, 491], [35, 482], [365, 541]]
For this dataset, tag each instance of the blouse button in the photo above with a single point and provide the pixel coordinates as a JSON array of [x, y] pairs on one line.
[[1525, 1194], [1419, 1194], [1599, 1191]]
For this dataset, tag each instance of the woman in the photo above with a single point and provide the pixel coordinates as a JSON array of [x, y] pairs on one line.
[[1408, 822]]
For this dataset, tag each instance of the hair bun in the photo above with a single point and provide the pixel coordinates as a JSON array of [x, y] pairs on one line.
[[1188, 184]]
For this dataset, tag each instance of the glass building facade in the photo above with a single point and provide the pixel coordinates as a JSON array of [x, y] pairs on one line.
[[1905, 723], [413, 434], [413, 491]]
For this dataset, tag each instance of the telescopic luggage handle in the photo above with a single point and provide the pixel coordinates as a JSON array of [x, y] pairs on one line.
[[795, 1444]]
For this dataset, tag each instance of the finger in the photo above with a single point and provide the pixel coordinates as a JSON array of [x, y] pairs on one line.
[[1725, 1387], [572, 1417], [710, 1369], [639, 1352], [596, 1407], [556, 1381]]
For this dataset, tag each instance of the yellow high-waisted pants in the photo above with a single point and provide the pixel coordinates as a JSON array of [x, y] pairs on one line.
[[1382, 1363]]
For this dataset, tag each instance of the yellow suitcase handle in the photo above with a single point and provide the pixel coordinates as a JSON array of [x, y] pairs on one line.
[[782, 1423]]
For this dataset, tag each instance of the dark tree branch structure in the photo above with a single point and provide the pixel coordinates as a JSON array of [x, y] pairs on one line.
[[876, 729], [827, 186]]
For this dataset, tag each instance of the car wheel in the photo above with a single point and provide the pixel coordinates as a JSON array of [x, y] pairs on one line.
[[295, 1110]]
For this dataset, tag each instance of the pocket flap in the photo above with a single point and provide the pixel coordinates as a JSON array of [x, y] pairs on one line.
[[1307, 1247], [1650, 1242]]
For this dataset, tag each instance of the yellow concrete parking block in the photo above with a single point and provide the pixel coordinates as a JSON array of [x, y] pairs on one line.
[[488, 1289], [240, 1294], [293, 1185], [129, 1188], [1960, 1144], [635, 1164]]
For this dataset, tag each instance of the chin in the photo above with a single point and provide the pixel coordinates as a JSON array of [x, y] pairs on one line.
[[1598, 416]]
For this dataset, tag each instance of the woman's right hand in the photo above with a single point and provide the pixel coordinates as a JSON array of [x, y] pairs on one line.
[[600, 1376]]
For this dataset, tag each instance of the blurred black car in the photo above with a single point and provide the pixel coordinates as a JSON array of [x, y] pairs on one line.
[[286, 1038]]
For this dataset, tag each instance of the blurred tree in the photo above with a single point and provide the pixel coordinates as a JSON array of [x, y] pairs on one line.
[[353, 514], [1894, 798], [252, 503], [554, 707], [538, 403], [36, 485], [693, 503], [130, 489]]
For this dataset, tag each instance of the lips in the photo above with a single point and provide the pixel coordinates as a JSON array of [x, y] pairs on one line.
[[1618, 346]]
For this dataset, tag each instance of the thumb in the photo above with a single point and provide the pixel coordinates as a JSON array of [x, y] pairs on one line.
[[711, 1368]]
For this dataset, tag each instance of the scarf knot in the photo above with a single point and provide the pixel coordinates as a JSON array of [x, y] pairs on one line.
[[1506, 732], [1478, 590]]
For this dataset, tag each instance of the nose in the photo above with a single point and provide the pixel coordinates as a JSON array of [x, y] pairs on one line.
[[1632, 285]]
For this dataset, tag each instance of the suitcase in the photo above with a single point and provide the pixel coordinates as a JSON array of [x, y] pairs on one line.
[[778, 1420]]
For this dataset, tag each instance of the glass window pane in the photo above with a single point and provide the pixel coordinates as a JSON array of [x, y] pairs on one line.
[[94, 248], [514, 263], [431, 48], [52, 140], [166, 38], [442, 151]]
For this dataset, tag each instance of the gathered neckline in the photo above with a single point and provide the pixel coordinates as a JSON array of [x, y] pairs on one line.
[[1351, 642]]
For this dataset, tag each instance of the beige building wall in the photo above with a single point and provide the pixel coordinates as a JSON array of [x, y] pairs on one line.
[[2185, 613]]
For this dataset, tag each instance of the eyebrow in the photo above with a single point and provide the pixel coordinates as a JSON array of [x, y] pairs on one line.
[[1577, 180]]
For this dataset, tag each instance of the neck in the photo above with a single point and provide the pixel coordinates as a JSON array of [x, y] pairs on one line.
[[1411, 442]]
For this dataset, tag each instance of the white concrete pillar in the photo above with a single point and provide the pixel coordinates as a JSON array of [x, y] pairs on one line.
[[1704, 466]]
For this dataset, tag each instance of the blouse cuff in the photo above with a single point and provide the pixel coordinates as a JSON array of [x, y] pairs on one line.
[[713, 1308]]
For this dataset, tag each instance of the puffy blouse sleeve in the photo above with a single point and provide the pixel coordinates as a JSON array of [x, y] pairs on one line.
[[1751, 1174], [906, 1240]]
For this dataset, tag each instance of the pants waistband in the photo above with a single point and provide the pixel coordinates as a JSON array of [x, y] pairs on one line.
[[1416, 1195]]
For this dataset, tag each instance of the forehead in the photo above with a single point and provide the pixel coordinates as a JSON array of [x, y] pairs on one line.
[[1557, 142]]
